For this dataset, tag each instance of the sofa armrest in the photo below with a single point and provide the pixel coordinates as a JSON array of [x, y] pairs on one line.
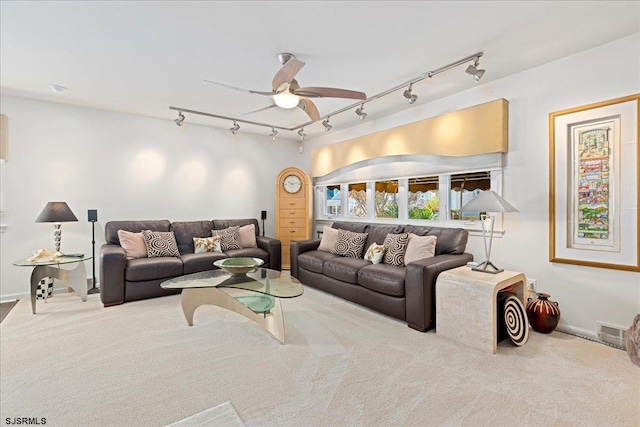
[[113, 261], [298, 248], [274, 247], [420, 287]]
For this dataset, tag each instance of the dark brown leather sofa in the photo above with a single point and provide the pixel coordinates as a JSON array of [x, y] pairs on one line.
[[123, 280], [406, 293]]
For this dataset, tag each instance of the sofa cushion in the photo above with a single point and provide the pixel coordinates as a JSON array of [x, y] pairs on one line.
[[395, 245], [329, 239], [377, 233], [375, 253], [185, 231], [384, 278], [249, 252], [420, 247], [314, 260], [344, 268], [221, 224], [111, 228], [229, 238], [160, 243], [350, 244], [355, 227], [133, 244], [450, 240], [153, 268], [194, 263]]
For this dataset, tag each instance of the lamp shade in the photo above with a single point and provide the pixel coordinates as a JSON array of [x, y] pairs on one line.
[[488, 201], [56, 212]]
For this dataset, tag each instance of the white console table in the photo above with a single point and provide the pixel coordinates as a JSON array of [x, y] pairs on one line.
[[466, 305]]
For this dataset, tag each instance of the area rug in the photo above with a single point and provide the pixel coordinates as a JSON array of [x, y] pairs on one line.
[[222, 416], [139, 364]]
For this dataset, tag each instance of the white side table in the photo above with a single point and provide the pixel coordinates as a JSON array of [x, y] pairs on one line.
[[466, 305]]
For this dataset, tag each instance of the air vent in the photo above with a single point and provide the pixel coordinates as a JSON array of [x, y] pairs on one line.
[[611, 334]]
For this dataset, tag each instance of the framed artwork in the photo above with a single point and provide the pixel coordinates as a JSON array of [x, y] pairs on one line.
[[594, 185]]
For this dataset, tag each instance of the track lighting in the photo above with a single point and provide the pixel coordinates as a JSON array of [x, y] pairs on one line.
[[407, 94], [327, 126], [180, 119], [473, 70], [235, 128], [360, 112], [274, 132], [302, 134]]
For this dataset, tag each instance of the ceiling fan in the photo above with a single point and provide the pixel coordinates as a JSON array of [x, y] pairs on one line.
[[287, 93]]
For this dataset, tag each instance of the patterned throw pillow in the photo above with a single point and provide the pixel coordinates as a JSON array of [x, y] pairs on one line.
[[229, 238], [206, 244], [396, 245], [375, 253], [160, 243], [350, 244]]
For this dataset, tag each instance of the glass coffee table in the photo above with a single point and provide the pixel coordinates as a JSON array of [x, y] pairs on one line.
[[255, 295]]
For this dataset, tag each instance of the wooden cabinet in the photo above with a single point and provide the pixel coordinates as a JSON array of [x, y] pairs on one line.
[[293, 210]]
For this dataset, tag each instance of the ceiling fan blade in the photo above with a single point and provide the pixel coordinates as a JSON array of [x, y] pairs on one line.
[[310, 108], [286, 73], [328, 92], [255, 92], [268, 107]]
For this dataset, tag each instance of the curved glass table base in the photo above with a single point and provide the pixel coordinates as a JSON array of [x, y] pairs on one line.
[[271, 321]]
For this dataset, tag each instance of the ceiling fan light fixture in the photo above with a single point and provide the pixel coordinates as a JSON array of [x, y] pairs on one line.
[[180, 119], [303, 135], [274, 132], [235, 128], [286, 100], [327, 126]]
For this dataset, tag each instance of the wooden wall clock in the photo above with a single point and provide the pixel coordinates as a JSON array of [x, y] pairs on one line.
[[293, 210]]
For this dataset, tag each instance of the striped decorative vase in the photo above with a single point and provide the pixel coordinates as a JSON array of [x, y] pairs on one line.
[[543, 314]]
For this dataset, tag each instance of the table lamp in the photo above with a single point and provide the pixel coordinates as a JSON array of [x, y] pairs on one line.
[[486, 202], [56, 212]]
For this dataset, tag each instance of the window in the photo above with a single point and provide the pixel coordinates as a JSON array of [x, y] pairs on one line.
[[423, 200], [333, 205], [357, 200], [386, 199], [464, 188]]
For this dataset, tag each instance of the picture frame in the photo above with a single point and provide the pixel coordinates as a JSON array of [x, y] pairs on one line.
[[594, 185]]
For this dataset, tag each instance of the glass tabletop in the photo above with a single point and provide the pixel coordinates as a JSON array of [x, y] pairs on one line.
[[59, 260], [262, 280]]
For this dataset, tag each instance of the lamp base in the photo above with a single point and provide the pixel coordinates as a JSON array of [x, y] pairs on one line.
[[488, 267]]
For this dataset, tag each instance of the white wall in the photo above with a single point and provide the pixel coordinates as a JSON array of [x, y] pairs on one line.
[[585, 294], [128, 168]]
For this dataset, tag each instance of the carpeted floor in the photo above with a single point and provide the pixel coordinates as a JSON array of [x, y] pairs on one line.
[[139, 364]]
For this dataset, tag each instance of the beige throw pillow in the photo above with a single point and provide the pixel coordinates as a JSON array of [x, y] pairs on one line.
[[329, 239], [247, 236], [133, 244], [206, 244], [420, 247]]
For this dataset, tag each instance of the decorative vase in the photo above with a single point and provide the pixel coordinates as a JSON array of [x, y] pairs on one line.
[[543, 314]]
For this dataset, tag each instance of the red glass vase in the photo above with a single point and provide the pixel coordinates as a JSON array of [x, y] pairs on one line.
[[543, 314]]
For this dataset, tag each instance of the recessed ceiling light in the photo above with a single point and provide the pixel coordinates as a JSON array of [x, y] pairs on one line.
[[58, 88]]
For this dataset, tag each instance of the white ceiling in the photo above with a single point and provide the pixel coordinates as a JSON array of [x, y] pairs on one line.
[[142, 57]]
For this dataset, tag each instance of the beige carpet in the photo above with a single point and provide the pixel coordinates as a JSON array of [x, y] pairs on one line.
[[221, 415], [139, 364]]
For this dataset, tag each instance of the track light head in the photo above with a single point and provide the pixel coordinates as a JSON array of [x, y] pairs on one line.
[[474, 71], [180, 119], [300, 148], [274, 132], [327, 126], [303, 135], [360, 112], [407, 94], [235, 128]]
